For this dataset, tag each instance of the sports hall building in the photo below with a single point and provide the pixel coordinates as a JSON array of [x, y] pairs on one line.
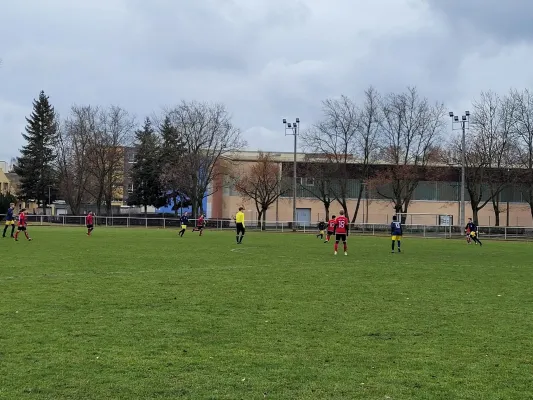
[[431, 201]]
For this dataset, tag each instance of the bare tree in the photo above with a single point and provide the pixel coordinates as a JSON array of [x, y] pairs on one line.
[[73, 150], [322, 176], [492, 128], [106, 156], [411, 130], [368, 139], [523, 129], [261, 184], [334, 137], [208, 134]]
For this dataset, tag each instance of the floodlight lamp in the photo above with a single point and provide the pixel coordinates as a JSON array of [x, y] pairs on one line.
[[297, 120], [456, 118], [464, 117], [451, 114], [467, 113], [289, 125], [284, 120]]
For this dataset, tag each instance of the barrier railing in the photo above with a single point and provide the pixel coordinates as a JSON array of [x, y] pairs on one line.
[[154, 221]]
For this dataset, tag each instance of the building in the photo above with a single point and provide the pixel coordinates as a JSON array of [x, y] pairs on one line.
[[432, 201]]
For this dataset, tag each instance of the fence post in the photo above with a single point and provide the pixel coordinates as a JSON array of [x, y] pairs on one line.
[[374, 228], [164, 223], [505, 233], [146, 222], [425, 231], [63, 217], [128, 222]]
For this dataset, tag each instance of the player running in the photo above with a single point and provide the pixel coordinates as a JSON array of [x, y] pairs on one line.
[[89, 222], [200, 223], [22, 226], [184, 223], [239, 223], [396, 232], [331, 229], [341, 231], [321, 228], [472, 227], [10, 220]]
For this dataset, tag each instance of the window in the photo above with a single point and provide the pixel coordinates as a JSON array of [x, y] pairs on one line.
[[130, 187], [131, 157], [310, 181]]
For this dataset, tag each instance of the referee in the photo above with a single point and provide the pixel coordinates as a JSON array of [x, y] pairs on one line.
[[239, 220]]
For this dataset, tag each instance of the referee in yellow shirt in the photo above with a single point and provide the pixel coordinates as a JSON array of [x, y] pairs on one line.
[[239, 220]]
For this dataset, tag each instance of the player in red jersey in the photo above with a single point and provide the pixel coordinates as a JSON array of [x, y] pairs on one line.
[[341, 231], [89, 222], [22, 225], [331, 228], [200, 224]]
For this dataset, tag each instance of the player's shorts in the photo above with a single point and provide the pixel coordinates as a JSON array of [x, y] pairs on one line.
[[396, 237], [200, 227], [90, 226], [473, 234], [240, 229], [330, 233], [340, 237], [322, 232], [10, 222], [22, 228], [184, 227]]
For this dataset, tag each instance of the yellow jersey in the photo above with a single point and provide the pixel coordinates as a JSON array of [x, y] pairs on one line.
[[239, 218]]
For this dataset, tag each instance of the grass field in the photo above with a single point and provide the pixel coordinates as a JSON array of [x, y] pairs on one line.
[[143, 314]]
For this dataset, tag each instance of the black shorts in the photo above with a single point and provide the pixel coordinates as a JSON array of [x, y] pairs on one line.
[[91, 226], [330, 233], [22, 228], [200, 227], [240, 229], [340, 237]]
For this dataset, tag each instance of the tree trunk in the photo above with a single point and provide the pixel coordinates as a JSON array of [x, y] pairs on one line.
[[497, 211], [326, 208], [259, 218], [263, 220], [475, 212], [145, 211], [359, 197]]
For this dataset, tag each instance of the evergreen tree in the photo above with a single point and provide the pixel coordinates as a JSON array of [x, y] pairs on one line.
[[35, 166], [172, 153], [146, 171]]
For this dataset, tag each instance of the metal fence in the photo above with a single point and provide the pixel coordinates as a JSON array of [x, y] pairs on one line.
[[427, 231]]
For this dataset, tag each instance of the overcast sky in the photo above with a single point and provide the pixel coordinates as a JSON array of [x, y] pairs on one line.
[[265, 59]]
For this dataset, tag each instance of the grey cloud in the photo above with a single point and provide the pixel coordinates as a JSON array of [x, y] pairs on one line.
[[504, 21], [266, 59]]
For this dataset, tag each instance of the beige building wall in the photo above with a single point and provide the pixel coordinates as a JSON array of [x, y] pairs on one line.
[[379, 211]]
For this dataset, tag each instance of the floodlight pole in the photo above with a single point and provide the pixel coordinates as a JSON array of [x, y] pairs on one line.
[[293, 129], [463, 125]]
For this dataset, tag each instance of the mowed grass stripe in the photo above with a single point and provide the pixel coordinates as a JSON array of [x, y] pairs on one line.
[[143, 314]]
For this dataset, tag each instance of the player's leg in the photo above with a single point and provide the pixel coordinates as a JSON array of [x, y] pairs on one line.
[[5, 230], [337, 239], [201, 229], [17, 235], [399, 240], [344, 242], [237, 233], [27, 235], [243, 231], [13, 230], [393, 242]]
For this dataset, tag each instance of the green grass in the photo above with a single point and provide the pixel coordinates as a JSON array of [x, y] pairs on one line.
[[143, 314]]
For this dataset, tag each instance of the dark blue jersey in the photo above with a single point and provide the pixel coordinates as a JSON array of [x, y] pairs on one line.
[[184, 220], [396, 228], [9, 216], [471, 226]]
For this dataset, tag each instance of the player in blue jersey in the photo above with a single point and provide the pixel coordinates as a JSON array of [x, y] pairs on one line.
[[396, 233], [472, 228], [184, 222], [10, 220]]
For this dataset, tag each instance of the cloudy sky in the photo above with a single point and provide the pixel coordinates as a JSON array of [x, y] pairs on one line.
[[265, 59]]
